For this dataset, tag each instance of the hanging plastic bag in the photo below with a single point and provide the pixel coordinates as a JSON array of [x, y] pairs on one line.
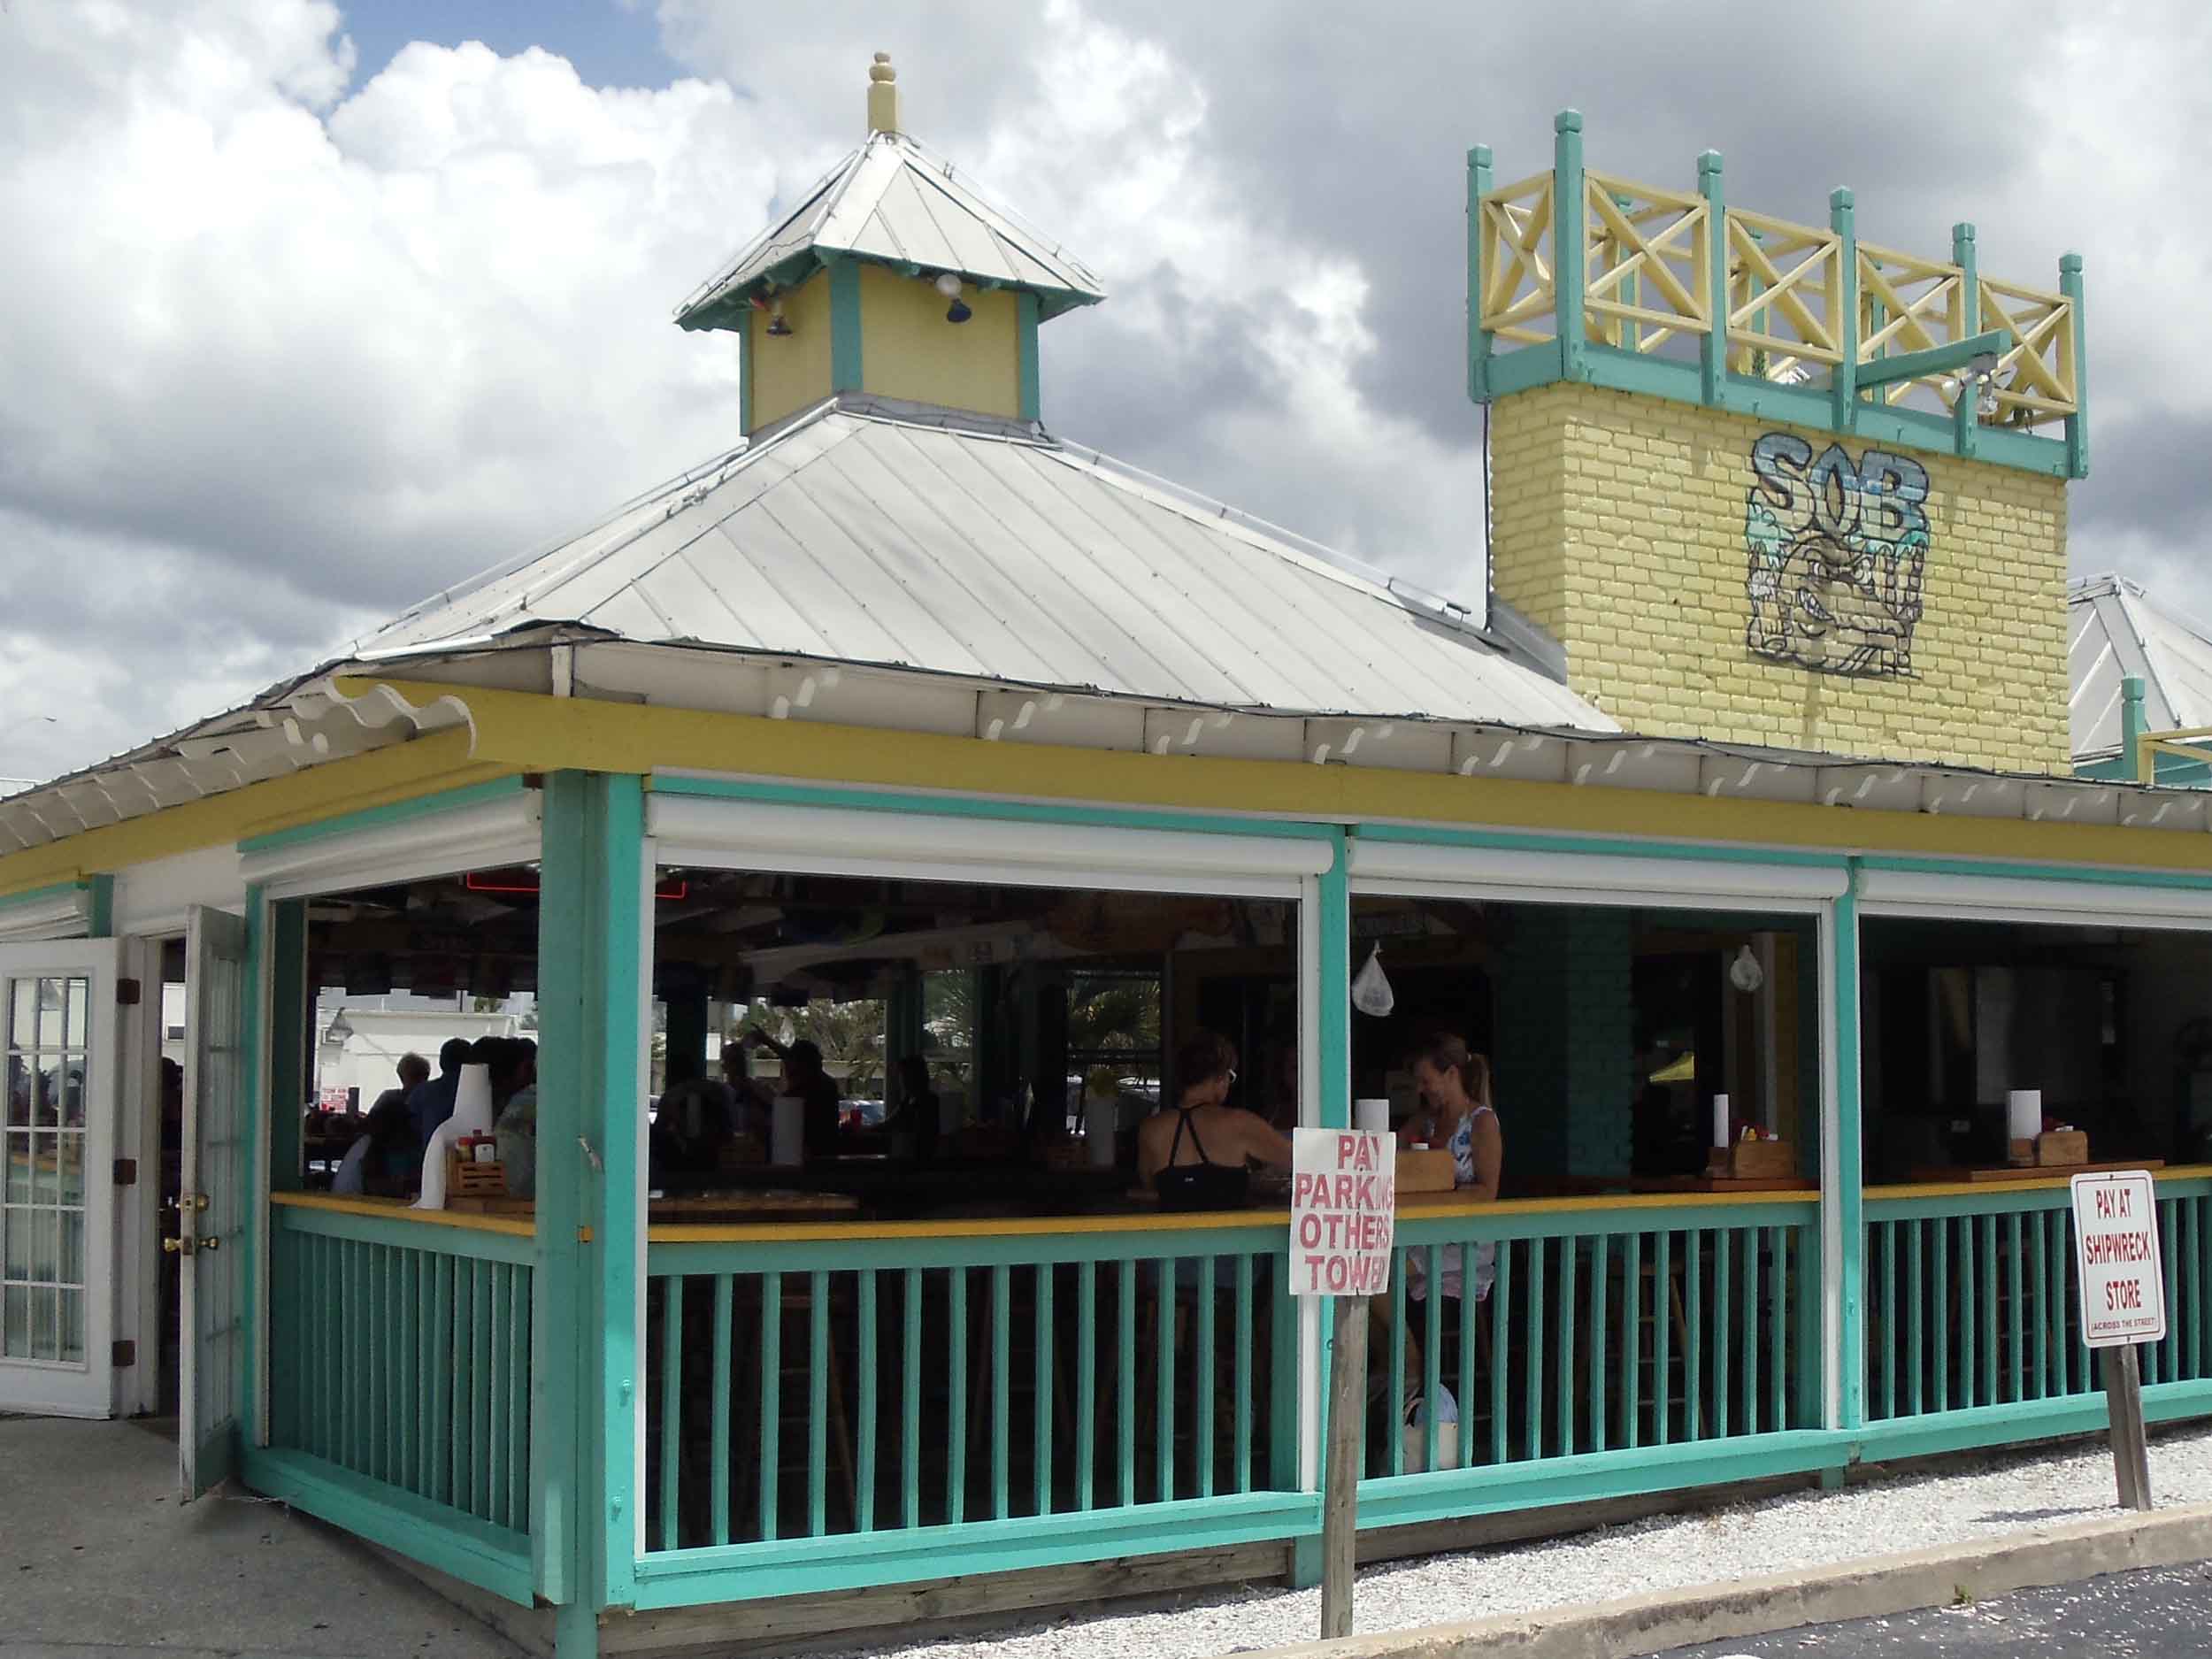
[[1370, 989]]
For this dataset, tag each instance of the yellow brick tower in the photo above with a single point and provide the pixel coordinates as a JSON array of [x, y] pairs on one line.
[[1765, 483]]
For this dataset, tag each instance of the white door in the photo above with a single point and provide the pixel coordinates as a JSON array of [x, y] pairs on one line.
[[59, 1033], [212, 1201]]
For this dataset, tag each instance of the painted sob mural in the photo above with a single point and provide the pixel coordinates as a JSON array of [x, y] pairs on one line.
[[1836, 551]]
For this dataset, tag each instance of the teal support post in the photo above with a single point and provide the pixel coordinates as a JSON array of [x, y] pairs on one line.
[[1568, 220], [844, 281], [1478, 177], [1844, 387], [1331, 1025], [99, 908], [1845, 1202], [291, 1034], [1712, 356], [253, 1128], [585, 1367], [2076, 423], [1031, 402], [745, 375], [1965, 424], [2137, 765]]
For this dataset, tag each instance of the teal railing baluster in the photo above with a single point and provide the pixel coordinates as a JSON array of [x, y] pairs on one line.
[[1569, 1260], [1164, 1361], [770, 1398], [1723, 1249], [487, 1385], [1432, 1355], [1244, 1371], [1002, 1387], [956, 1396], [1601, 1268], [1126, 1378], [671, 1409], [865, 1476], [1693, 1317], [725, 1334], [1042, 1398], [818, 1403], [2041, 1233], [1747, 1360], [1916, 1314], [441, 1434], [1535, 1425], [496, 1427], [911, 1401], [1086, 1386], [1499, 1302], [2168, 1351], [1939, 1306], [1778, 1326], [1632, 1347], [1662, 1334], [1987, 1249], [2015, 1285], [1396, 1460], [1201, 1429]]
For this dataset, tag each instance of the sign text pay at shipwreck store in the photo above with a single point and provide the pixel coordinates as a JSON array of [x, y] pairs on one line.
[[2116, 1247], [1343, 1212]]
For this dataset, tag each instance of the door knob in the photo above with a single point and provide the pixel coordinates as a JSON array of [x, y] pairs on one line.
[[177, 1247], [210, 1244]]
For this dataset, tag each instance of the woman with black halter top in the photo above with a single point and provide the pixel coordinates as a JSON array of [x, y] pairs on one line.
[[1195, 1154]]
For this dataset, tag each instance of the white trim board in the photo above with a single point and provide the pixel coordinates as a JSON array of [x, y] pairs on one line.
[[838, 841], [481, 837], [1418, 869], [1901, 892]]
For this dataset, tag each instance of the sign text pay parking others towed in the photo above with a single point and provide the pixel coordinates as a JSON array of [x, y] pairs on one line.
[[1343, 1212]]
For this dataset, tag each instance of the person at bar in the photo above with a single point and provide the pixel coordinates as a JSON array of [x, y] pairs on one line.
[[805, 1077], [515, 1122], [1457, 1116], [920, 1113], [1196, 1156], [430, 1103], [414, 1071]]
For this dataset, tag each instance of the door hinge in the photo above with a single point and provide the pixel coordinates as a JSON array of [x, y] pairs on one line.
[[126, 1355], [126, 993], [127, 1172]]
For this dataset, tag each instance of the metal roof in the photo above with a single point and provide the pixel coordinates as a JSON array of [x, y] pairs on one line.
[[2117, 630], [896, 537], [893, 202]]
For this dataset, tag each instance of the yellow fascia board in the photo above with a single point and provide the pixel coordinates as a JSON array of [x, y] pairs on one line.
[[403, 772], [526, 732]]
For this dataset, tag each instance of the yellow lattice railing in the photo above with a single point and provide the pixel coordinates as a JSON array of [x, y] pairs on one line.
[[1519, 291], [1910, 304], [1785, 296], [1646, 262], [2036, 378]]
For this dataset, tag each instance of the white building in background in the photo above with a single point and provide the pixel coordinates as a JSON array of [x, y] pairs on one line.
[[360, 1043]]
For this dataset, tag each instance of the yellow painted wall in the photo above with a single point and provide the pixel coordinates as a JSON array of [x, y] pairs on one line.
[[1619, 524], [792, 372], [908, 350]]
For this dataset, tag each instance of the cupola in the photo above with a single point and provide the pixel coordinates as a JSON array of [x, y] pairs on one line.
[[891, 277]]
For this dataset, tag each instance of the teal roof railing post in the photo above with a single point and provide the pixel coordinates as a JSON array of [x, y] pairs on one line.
[[2132, 758], [1478, 176], [1569, 238], [1844, 387], [1712, 362], [1965, 422], [2076, 423]]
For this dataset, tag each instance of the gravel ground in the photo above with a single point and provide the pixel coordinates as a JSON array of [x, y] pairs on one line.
[[2015, 1494]]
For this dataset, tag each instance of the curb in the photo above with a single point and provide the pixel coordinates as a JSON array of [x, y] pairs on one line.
[[1870, 1587]]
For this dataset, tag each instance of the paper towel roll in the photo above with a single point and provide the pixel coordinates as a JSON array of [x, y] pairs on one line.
[[1720, 1120], [1101, 1117], [2023, 1113], [1371, 1117], [787, 1141], [472, 1116]]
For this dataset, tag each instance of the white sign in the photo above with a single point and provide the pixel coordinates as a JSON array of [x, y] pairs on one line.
[[1343, 1212], [2116, 1248]]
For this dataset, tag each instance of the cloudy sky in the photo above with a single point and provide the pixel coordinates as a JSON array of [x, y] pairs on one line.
[[311, 308]]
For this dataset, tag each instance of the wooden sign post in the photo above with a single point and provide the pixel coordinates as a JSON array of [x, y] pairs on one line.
[[1343, 1208], [2122, 1302]]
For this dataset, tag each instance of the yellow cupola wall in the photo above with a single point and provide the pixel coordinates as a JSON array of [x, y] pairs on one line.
[[893, 279]]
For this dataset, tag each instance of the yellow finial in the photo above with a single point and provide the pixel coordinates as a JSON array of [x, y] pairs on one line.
[[883, 95]]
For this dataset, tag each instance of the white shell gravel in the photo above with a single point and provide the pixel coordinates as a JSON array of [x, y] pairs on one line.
[[2010, 1494]]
